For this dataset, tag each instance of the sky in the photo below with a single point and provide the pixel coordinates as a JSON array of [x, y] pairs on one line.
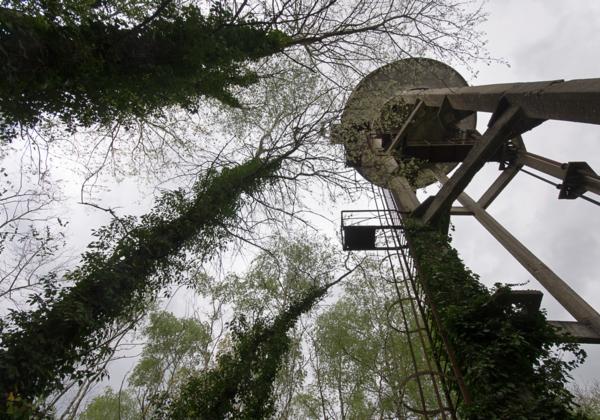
[[540, 40]]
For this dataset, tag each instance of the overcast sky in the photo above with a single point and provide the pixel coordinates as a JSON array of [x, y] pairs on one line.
[[541, 40]]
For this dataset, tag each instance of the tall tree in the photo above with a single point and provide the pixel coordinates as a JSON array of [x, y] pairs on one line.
[[174, 348], [116, 279], [241, 384], [95, 71], [106, 61], [285, 273], [112, 406], [359, 359]]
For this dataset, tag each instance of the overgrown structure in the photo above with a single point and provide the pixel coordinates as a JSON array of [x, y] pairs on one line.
[[407, 125]]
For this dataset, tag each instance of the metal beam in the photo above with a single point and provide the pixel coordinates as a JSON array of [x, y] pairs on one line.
[[580, 332], [479, 154], [460, 211], [408, 121], [574, 100], [557, 287], [499, 184], [590, 181]]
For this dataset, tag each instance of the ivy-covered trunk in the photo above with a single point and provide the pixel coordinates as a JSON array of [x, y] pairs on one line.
[[241, 385], [115, 281], [98, 72], [505, 352]]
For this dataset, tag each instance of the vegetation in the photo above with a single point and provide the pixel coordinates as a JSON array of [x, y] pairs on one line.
[[344, 360], [111, 62], [508, 355], [111, 406], [241, 384], [587, 399], [116, 280], [88, 70]]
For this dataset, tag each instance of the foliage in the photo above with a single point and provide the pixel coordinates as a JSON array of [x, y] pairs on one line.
[[177, 349], [358, 358], [116, 279], [283, 282], [588, 400], [279, 275], [505, 352], [241, 384], [111, 406], [88, 69], [172, 350]]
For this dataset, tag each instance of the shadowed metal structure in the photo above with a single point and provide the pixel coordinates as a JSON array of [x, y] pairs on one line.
[[409, 124]]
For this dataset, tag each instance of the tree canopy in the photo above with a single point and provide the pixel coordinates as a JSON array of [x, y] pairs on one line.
[[116, 279], [94, 71]]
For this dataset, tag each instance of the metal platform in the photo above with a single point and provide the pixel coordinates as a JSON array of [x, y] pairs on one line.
[[368, 230]]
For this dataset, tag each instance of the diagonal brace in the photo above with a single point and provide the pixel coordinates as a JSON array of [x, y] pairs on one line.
[[495, 135]]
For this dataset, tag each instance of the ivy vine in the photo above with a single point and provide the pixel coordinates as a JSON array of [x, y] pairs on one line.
[[241, 384], [119, 274], [508, 355], [87, 69]]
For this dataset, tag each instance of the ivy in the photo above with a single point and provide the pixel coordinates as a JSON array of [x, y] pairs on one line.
[[100, 71], [241, 384], [119, 274], [508, 356]]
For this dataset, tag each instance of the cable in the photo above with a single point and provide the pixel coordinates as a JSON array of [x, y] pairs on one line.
[[591, 200]]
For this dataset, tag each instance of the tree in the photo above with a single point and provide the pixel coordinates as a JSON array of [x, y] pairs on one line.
[[359, 357], [116, 279], [95, 71], [101, 62], [179, 349], [587, 399], [30, 232], [112, 406], [214, 197], [174, 348], [241, 384]]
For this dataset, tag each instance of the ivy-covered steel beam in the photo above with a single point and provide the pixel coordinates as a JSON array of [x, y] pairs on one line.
[[116, 279]]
